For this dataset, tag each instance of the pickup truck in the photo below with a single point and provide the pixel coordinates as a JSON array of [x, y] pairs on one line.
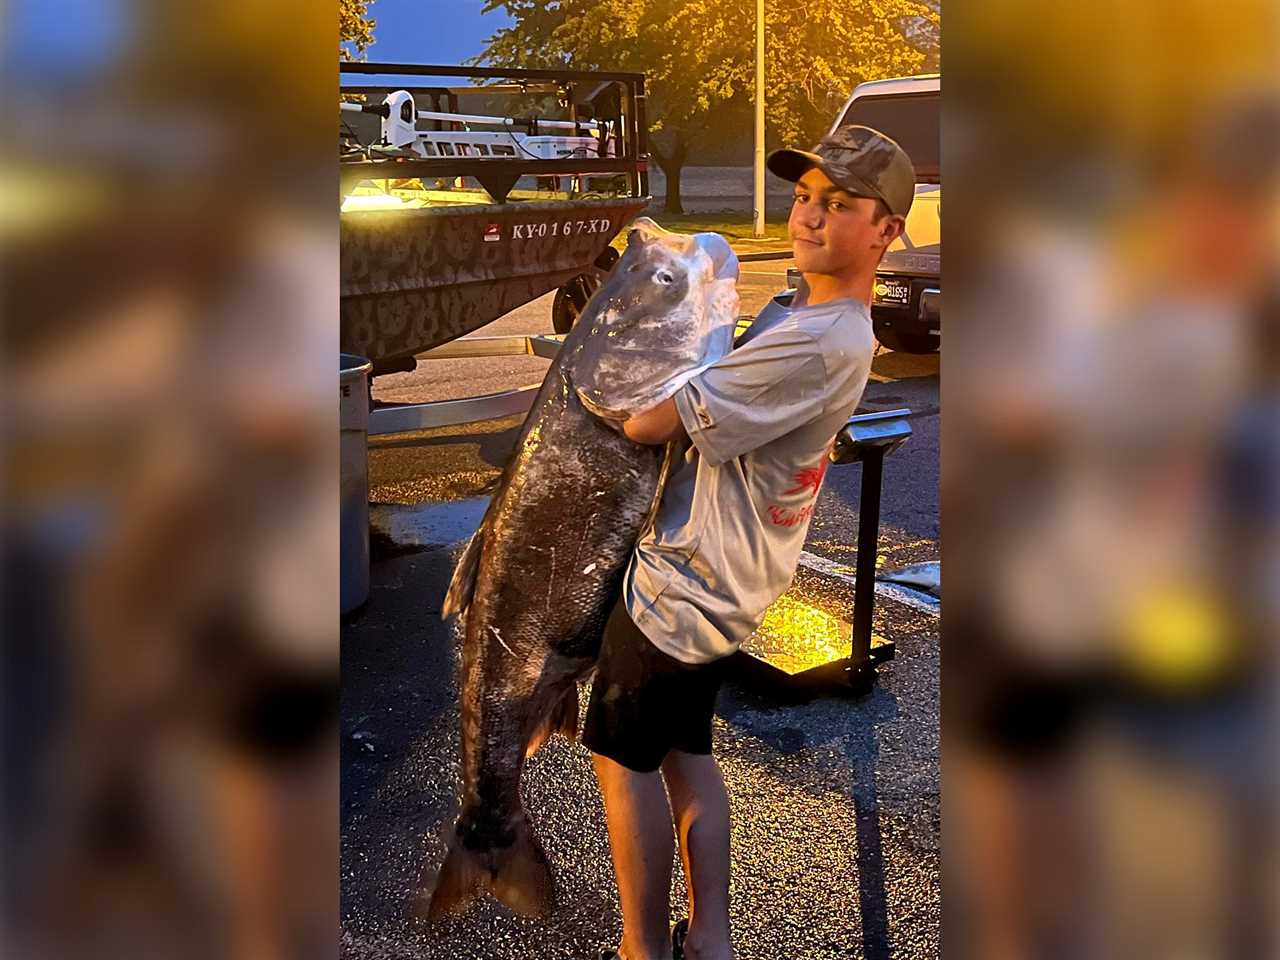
[[906, 305]]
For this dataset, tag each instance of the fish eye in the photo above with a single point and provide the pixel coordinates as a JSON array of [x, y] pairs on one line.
[[664, 278]]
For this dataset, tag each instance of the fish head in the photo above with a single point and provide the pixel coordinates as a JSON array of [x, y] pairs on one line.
[[666, 311]]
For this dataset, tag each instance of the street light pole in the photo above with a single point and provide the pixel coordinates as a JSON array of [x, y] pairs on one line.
[[758, 229]]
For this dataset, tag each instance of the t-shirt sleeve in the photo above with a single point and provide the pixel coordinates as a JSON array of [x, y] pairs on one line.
[[761, 391]]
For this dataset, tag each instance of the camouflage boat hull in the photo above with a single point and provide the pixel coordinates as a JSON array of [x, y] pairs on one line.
[[414, 279]]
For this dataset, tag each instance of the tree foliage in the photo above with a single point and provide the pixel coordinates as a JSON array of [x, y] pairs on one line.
[[355, 29], [699, 56], [816, 53]]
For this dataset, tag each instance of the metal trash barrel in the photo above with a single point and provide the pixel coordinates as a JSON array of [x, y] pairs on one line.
[[353, 405]]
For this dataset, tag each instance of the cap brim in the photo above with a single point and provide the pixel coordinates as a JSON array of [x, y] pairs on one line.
[[792, 164]]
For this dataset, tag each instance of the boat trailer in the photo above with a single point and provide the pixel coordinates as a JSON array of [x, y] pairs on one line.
[[437, 240]]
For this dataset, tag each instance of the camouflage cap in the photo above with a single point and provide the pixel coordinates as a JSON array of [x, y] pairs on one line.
[[858, 159]]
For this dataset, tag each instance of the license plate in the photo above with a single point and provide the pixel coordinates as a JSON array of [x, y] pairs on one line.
[[892, 293]]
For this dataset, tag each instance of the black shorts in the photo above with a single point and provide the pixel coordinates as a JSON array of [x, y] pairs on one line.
[[645, 703]]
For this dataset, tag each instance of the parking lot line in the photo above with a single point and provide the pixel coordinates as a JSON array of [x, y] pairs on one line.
[[892, 591]]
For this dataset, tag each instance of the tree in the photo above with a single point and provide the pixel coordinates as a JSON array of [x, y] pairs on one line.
[[699, 58], [816, 53], [686, 81], [355, 29]]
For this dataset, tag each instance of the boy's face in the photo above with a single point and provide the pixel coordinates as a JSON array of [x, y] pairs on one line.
[[832, 231]]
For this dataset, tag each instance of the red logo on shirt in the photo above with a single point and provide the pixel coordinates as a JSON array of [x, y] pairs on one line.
[[785, 517], [810, 478], [806, 480]]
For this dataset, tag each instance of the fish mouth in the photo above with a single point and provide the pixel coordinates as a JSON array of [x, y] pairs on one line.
[[614, 417]]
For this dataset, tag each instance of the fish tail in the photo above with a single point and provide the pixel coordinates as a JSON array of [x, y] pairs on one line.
[[456, 888], [518, 875], [522, 877]]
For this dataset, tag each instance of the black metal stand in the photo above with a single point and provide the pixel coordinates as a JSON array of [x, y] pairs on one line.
[[856, 675], [862, 671]]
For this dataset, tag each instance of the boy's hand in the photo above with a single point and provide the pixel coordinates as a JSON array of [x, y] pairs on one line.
[[656, 426]]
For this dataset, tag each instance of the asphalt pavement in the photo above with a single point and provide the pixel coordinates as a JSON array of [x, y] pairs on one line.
[[835, 804]]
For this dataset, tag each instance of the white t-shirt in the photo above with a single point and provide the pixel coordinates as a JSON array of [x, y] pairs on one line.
[[732, 522]]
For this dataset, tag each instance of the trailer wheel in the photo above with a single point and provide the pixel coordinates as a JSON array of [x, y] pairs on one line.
[[571, 299]]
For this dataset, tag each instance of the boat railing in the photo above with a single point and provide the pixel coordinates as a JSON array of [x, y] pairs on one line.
[[616, 97]]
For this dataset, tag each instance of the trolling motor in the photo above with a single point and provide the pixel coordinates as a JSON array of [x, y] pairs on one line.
[[399, 118], [399, 129], [400, 121]]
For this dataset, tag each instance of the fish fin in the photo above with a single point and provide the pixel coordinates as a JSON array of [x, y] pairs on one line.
[[522, 876], [540, 736], [562, 718], [669, 455], [457, 886], [463, 585], [568, 714]]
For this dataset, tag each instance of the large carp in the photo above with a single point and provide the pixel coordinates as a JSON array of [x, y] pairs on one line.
[[540, 576]]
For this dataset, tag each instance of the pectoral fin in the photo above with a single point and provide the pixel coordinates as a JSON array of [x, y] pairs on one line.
[[463, 585]]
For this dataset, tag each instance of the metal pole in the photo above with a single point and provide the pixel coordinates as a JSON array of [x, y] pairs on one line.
[[627, 149], [758, 229], [864, 580], [641, 121], [498, 121]]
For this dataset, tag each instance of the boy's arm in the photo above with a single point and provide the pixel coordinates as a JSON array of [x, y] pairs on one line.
[[656, 426], [758, 392]]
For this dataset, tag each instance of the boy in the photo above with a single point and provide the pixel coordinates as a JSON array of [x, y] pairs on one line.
[[724, 544]]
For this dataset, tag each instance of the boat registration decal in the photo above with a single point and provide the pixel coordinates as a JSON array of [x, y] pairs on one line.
[[560, 228]]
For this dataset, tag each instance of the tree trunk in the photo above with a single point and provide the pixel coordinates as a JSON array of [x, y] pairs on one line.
[[672, 163], [672, 173]]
